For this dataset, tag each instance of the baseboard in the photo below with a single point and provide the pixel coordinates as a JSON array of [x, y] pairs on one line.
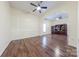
[[31, 36], [72, 46]]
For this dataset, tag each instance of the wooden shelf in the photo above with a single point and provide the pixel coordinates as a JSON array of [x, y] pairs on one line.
[[59, 29]]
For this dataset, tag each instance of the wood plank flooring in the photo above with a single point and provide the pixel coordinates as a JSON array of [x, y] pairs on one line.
[[40, 46]]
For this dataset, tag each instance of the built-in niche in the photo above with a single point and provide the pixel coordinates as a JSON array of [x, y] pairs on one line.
[[59, 29]]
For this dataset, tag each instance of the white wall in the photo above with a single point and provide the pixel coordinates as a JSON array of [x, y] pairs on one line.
[[48, 26], [61, 21], [4, 26], [24, 24], [78, 30], [71, 9]]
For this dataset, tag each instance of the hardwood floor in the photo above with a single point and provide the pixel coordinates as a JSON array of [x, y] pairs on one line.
[[40, 46]]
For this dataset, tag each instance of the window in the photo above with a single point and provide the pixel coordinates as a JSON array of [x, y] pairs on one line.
[[44, 27]]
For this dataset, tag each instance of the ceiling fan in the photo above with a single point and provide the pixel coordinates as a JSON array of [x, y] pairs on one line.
[[38, 6]]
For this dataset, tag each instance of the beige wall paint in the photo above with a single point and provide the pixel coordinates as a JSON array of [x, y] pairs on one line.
[[4, 26], [48, 26], [24, 24], [62, 21], [71, 9], [78, 30]]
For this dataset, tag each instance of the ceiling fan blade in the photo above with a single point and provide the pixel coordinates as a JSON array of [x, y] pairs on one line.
[[40, 3], [40, 11], [33, 4], [34, 10], [44, 7]]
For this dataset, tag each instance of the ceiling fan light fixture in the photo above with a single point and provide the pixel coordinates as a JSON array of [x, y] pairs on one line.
[[38, 8], [57, 18]]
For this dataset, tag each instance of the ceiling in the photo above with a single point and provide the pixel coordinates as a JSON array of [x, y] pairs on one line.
[[54, 16], [26, 7]]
